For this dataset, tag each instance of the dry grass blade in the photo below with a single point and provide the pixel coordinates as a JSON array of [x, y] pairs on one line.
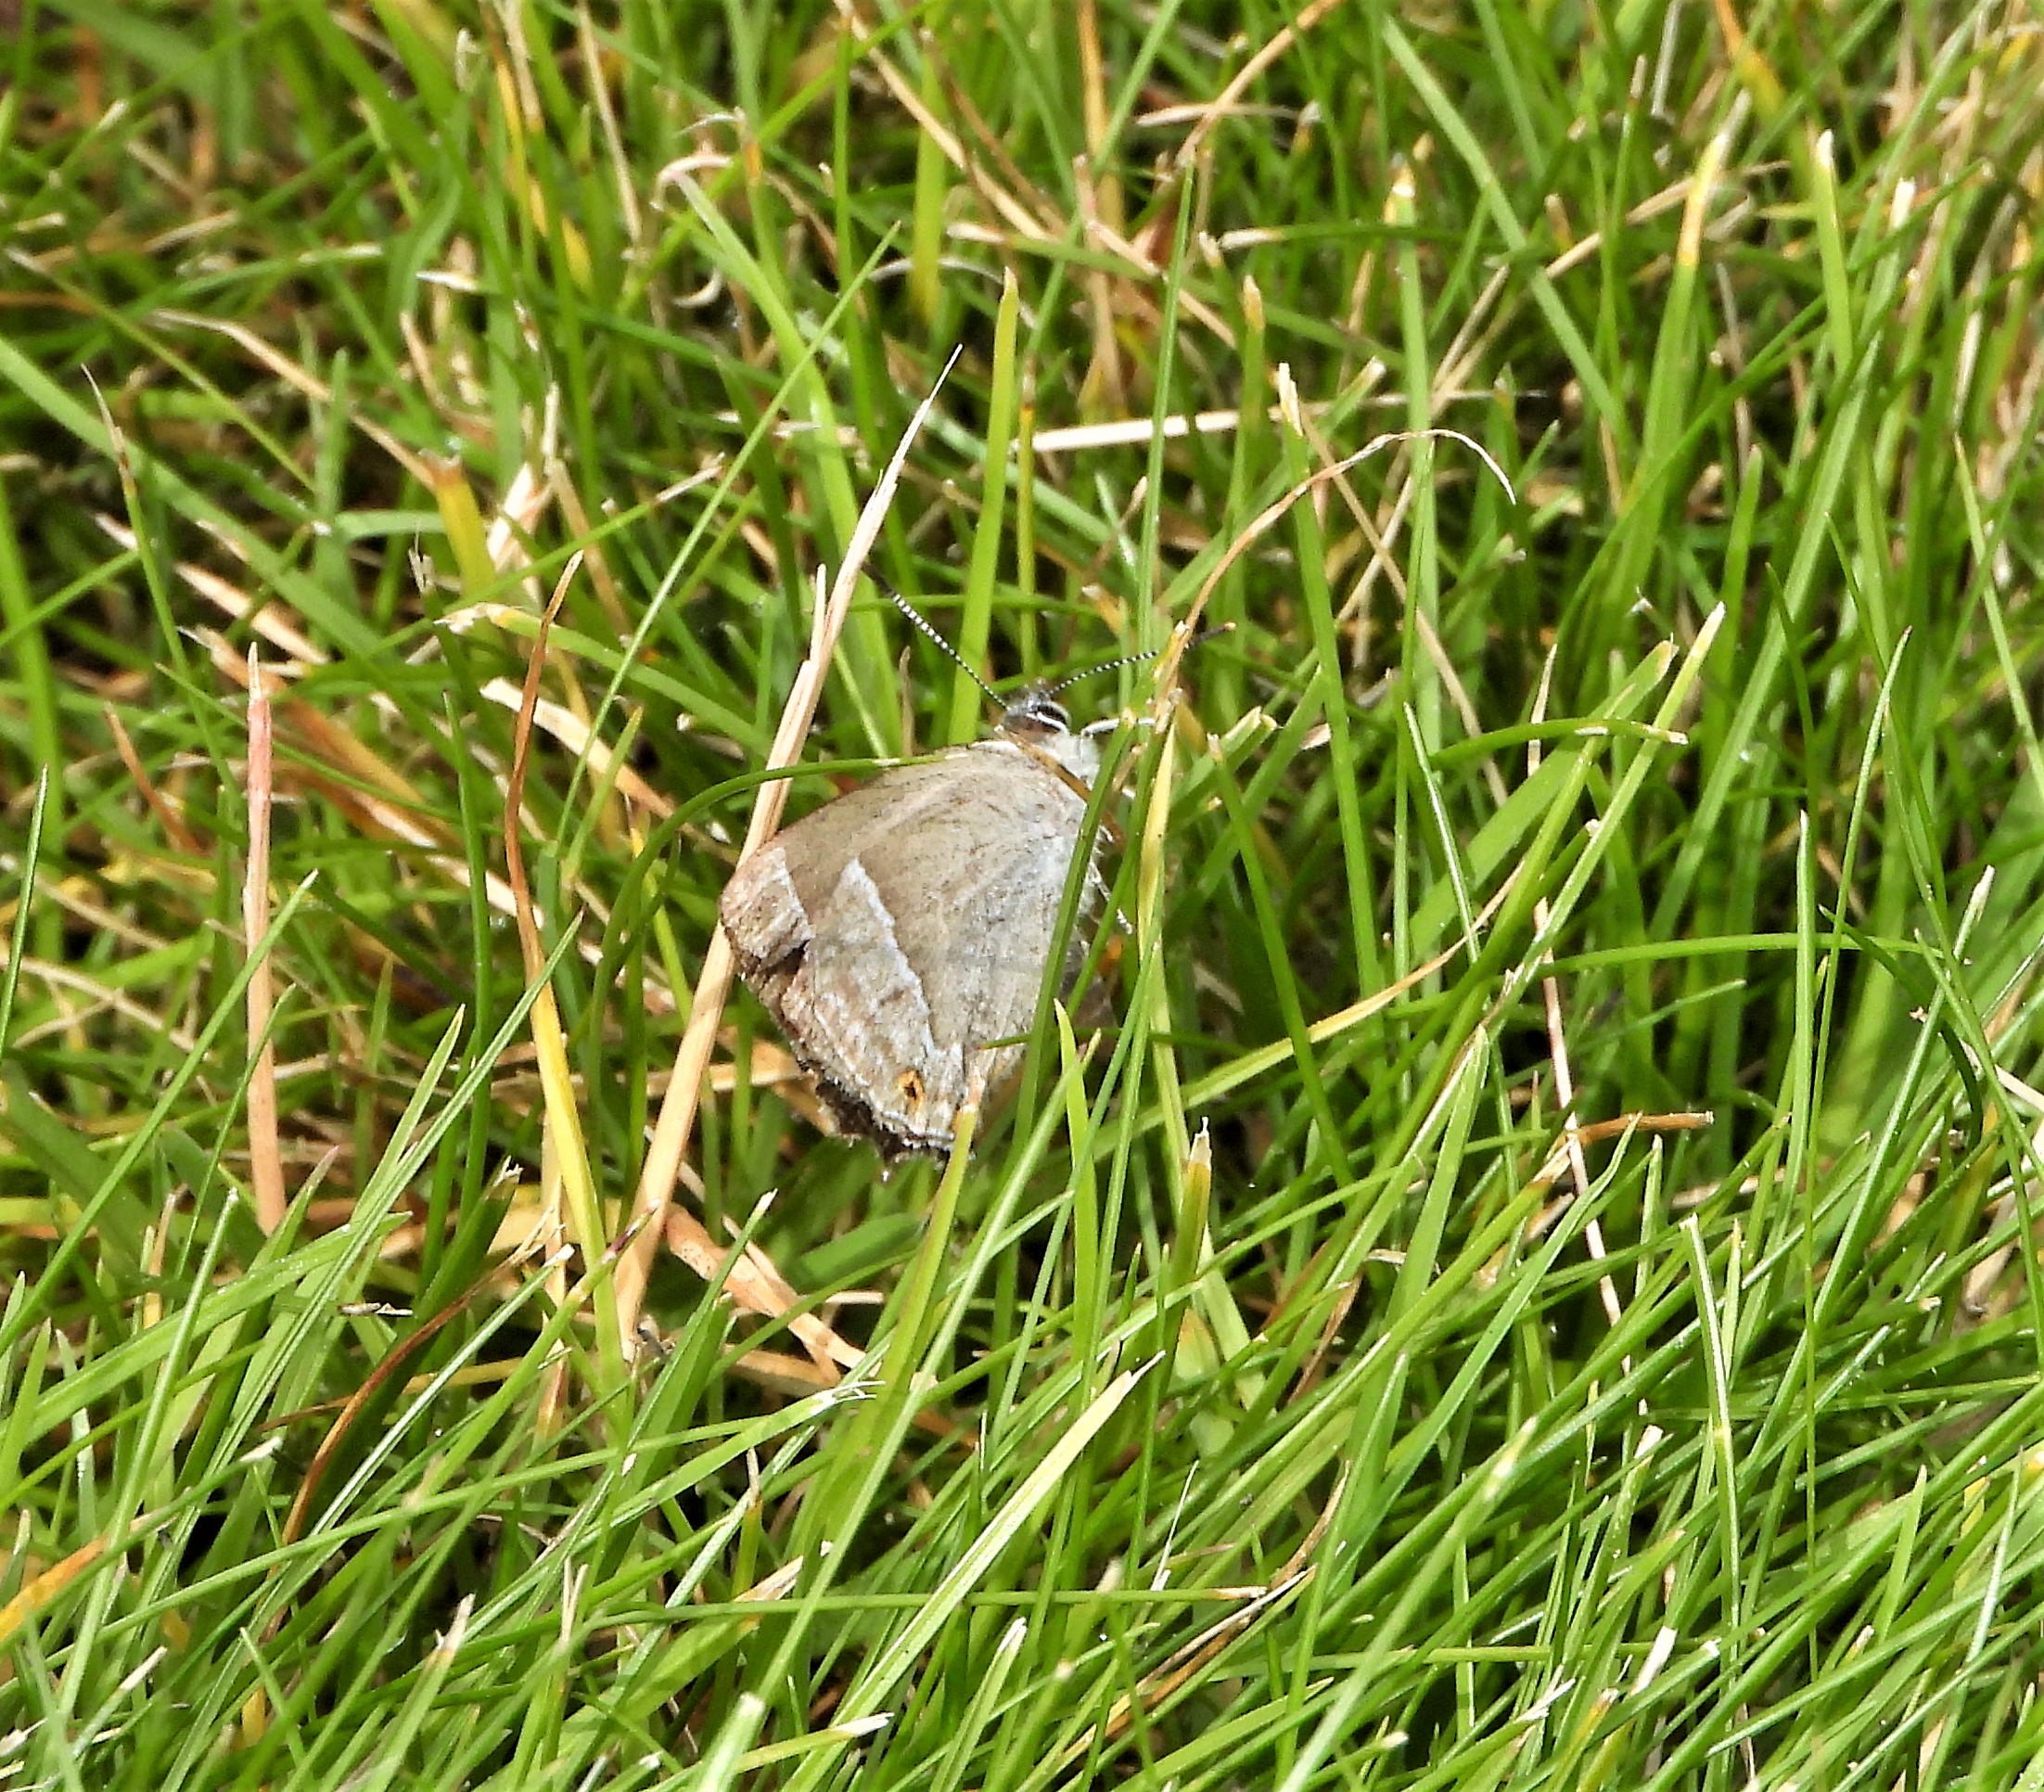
[[1225, 102], [265, 1159], [677, 1121], [1274, 513], [564, 1170], [754, 1285]]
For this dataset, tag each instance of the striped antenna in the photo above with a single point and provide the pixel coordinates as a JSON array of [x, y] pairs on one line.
[[1130, 659], [944, 647]]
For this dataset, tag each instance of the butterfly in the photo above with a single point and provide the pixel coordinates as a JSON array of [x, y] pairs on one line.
[[900, 934]]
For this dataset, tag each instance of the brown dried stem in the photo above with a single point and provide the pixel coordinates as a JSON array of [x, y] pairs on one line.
[[650, 1212], [265, 1158]]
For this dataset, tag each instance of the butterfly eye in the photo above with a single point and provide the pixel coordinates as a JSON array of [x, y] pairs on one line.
[[1037, 711]]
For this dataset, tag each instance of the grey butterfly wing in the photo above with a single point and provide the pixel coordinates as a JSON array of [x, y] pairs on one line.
[[989, 915], [899, 931], [771, 906]]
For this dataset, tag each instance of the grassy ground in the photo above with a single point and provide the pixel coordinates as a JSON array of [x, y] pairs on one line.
[[1526, 1288]]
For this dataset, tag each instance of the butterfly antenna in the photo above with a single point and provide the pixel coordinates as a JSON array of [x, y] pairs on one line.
[[943, 646], [1130, 659]]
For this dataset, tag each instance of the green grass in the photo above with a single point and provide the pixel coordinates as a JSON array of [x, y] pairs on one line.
[[1273, 1400]]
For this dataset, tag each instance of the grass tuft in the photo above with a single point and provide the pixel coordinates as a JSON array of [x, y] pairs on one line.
[[1520, 1269]]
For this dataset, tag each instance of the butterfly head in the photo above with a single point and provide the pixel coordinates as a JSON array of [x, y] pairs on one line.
[[1038, 719]]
